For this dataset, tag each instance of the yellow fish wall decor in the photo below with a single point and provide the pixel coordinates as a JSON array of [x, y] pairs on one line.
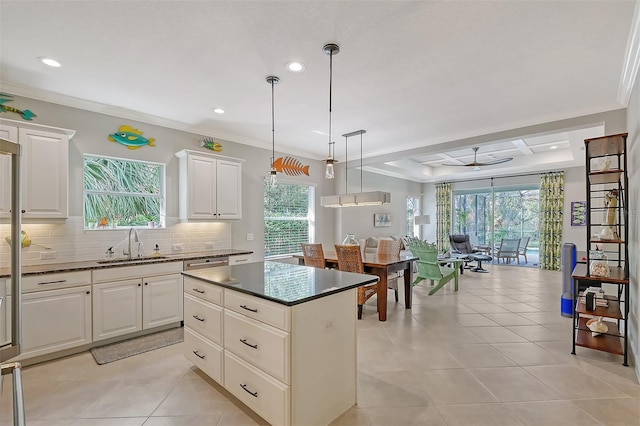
[[290, 166], [131, 138], [209, 143]]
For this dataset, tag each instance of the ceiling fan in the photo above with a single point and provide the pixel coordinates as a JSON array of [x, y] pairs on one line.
[[476, 165]]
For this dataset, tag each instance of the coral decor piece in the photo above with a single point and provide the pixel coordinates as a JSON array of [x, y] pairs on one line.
[[209, 143], [26, 114], [131, 138], [290, 166]]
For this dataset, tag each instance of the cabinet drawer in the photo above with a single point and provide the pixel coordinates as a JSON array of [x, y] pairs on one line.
[[264, 346], [136, 271], [203, 317], [259, 391], [263, 310], [41, 282], [205, 355], [202, 290], [239, 259]]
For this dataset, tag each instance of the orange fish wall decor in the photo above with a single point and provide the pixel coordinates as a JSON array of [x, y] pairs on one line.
[[290, 166]]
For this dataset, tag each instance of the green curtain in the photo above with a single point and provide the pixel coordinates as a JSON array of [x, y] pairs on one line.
[[443, 215], [551, 212]]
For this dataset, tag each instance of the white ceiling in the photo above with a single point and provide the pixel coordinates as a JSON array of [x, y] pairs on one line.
[[414, 74]]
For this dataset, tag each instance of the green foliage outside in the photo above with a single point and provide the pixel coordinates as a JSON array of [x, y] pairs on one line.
[[127, 193], [286, 218]]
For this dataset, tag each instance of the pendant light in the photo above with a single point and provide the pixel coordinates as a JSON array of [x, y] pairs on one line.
[[330, 49], [273, 177]]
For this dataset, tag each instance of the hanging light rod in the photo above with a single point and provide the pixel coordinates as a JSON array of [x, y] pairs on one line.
[[273, 173], [330, 49]]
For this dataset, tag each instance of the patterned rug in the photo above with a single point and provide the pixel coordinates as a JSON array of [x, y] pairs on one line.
[[137, 345]]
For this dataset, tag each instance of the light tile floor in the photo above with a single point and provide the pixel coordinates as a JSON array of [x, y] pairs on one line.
[[495, 353]]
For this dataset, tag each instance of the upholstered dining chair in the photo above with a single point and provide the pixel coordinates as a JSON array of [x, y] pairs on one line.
[[313, 255], [508, 250], [391, 248], [429, 268], [350, 260]]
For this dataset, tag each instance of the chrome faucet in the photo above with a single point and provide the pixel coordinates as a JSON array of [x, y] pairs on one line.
[[128, 253]]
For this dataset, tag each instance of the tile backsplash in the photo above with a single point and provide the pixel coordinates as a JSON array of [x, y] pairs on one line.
[[69, 242]]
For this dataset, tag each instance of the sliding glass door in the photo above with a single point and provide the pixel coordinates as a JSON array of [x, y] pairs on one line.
[[491, 214]]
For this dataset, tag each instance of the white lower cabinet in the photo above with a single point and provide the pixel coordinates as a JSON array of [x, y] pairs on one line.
[[291, 365], [117, 308], [143, 297], [44, 330]]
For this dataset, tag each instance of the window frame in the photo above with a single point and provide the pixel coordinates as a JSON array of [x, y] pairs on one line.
[[161, 196]]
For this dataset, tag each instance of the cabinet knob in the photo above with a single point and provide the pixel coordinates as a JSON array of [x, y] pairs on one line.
[[146, 283], [139, 285], [88, 292]]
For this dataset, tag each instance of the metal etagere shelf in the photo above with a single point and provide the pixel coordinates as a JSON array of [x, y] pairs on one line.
[[607, 237]]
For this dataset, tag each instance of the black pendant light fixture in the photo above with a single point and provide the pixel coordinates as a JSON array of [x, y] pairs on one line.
[[330, 49], [273, 177]]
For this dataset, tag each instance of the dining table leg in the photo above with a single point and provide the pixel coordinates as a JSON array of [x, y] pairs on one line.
[[408, 287], [382, 295]]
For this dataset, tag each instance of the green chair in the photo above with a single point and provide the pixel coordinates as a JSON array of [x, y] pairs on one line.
[[429, 268]]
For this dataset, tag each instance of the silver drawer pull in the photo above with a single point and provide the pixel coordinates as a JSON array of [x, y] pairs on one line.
[[53, 282], [249, 309], [197, 290], [249, 344], [198, 318], [255, 394], [198, 355], [240, 260]]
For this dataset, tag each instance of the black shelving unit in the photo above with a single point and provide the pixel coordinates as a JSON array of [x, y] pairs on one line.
[[606, 174]]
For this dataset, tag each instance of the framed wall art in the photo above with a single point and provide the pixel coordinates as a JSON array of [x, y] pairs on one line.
[[578, 213], [381, 220]]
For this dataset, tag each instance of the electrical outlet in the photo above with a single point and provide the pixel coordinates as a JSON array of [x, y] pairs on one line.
[[249, 236], [49, 254], [208, 246], [177, 247]]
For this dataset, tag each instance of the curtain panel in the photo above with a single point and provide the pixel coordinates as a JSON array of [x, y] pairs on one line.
[[443, 215], [551, 219]]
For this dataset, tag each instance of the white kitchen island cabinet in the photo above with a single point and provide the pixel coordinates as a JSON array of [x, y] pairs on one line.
[[210, 186], [281, 338], [45, 170]]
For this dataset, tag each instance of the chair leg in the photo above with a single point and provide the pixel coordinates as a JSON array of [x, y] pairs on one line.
[[359, 311], [396, 292]]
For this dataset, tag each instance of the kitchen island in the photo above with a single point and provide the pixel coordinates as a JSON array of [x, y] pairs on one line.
[[280, 337]]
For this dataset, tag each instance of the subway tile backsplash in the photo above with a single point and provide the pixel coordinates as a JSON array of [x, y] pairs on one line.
[[71, 243]]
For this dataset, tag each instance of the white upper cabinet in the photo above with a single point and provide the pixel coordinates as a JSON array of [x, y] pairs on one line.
[[44, 170], [210, 186]]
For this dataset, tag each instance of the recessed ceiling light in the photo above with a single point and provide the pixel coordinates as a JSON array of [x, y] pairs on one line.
[[218, 110], [295, 66], [49, 61], [553, 147]]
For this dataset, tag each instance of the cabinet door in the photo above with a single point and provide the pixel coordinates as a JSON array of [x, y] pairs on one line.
[[45, 172], [201, 183], [229, 194], [11, 134], [162, 300], [117, 308], [54, 320]]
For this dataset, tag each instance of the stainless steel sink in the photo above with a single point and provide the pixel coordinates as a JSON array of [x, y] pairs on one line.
[[132, 260]]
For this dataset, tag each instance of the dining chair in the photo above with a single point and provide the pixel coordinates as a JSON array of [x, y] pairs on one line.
[[313, 255], [429, 268], [522, 248], [350, 260], [508, 250], [391, 248]]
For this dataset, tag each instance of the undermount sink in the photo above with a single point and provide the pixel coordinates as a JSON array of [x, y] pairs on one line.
[[135, 259]]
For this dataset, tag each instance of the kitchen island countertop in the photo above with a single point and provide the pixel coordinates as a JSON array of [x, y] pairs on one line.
[[282, 283]]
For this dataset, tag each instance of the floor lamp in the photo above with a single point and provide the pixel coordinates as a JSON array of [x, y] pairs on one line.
[[423, 219]]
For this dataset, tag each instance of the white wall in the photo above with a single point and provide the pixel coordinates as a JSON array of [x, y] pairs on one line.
[[72, 243], [633, 167]]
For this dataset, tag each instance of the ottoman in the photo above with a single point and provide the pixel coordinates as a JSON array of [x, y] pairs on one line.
[[479, 257]]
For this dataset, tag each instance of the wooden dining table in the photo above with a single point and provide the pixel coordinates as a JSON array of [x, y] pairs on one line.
[[382, 266]]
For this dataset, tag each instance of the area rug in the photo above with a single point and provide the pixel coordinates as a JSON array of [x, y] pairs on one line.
[[120, 350]]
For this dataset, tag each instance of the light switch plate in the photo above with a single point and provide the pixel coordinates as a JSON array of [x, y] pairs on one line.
[[49, 254], [249, 236]]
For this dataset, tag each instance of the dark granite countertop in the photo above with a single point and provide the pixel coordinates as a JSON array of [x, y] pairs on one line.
[[282, 283], [88, 265]]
